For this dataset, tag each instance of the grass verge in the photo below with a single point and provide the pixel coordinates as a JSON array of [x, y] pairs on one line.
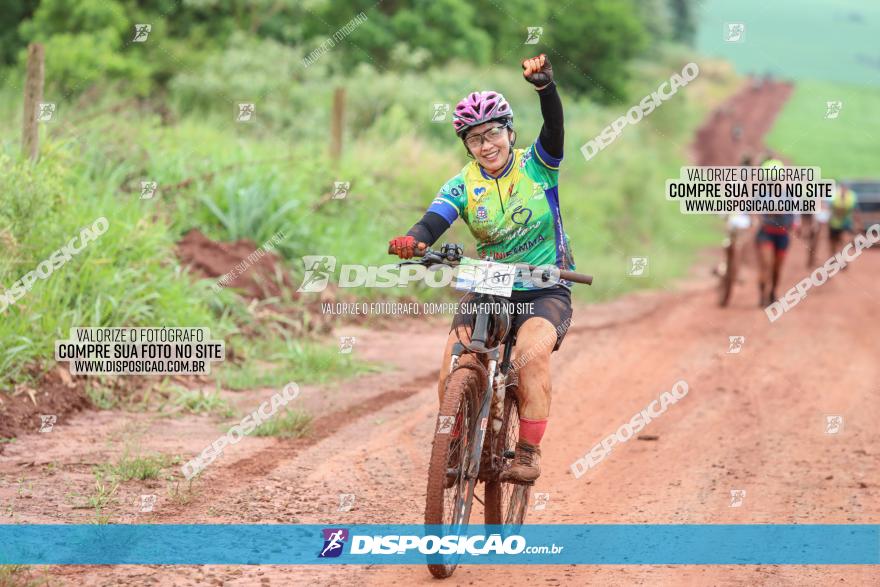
[[844, 147], [289, 423]]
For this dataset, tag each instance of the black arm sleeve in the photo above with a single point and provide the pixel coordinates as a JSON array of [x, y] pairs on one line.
[[551, 109], [429, 228]]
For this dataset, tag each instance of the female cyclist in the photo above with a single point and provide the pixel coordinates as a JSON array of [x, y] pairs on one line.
[[509, 200], [772, 240]]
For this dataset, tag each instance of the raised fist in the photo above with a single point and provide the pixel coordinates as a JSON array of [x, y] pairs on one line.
[[538, 71]]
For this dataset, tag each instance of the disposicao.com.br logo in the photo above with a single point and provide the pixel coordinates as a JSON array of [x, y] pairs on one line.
[[334, 541], [319, 269], [393, 544]]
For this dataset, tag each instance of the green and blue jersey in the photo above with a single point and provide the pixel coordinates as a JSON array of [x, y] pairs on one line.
[[514, 217]]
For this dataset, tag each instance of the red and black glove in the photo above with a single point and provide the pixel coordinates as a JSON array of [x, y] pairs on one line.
[[538, 71], [405, 246]]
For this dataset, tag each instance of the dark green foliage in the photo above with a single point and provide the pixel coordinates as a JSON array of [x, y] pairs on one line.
[[590, 51], [14, 12], [90, 41]]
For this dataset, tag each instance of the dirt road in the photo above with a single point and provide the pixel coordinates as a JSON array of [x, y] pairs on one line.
[[753, 420], [738, 127]]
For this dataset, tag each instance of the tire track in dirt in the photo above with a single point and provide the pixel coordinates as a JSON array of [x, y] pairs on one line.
[[265, 460]]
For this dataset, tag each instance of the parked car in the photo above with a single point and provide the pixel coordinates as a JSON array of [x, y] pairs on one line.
[[868, 201]]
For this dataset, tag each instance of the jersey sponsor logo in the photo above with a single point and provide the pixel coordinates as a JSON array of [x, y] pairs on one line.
[[479, 192], [520, 249], [482, 213], [528, 245], [521, 216], [513, 199], [537, 191], [498, 235]]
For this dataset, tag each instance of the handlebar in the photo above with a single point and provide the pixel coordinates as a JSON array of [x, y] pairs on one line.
[[451, 254], [574, 277]]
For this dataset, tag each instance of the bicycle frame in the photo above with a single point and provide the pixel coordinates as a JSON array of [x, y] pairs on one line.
[[478, 338], [450, 254]]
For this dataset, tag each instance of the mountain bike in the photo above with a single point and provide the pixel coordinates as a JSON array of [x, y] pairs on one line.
[[478, 421]]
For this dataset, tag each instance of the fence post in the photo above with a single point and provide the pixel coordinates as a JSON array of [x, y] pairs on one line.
[[33, 95], [337, 124]]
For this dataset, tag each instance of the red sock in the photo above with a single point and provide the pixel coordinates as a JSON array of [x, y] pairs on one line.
[[532, 431]]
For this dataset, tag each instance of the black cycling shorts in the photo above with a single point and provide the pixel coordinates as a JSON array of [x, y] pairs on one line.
[[836, 232], [552, 303], [779, 241]]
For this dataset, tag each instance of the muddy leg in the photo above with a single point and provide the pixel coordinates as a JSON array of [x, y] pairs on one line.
[[765, 270], [444, 366]]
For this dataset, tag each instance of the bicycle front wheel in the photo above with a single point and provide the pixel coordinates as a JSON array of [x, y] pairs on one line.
[[728, 277], [812, 245], [450, 490]]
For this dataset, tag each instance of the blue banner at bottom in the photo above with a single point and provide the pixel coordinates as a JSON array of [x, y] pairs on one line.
[[601, 544]]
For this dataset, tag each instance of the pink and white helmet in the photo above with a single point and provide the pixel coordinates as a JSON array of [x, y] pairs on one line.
[[480, 107]]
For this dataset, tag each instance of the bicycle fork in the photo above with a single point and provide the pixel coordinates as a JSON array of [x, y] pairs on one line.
[[490, 400], [481, 423]]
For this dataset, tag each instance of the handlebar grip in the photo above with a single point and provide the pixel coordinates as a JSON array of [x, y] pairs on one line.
[[568, 275], [576, 277]]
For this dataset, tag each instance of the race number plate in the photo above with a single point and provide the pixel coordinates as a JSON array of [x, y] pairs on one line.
[[486, 277]]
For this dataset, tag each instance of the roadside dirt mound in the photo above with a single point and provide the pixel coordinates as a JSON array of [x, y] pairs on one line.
[[56, 394], [257, 275], [259, 278]]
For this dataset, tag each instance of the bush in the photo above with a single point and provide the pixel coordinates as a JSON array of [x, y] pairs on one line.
[[261, 71], [595, 63], [127, 277], [76, 60]]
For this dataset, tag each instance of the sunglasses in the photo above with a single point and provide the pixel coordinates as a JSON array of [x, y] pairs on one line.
[[493, 135]]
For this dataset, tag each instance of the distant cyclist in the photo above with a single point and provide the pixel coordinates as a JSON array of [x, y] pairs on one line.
[[812, 228], [774, 234], [843, 206], [736, 132], [509, 199], [738, 221]]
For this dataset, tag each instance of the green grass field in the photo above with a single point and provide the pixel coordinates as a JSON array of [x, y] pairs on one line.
[[833, 40], [844, 147]]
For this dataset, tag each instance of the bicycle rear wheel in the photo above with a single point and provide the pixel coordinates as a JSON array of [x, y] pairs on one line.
[[812, 245], [506, 503], [450, 492], [728, 277]]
